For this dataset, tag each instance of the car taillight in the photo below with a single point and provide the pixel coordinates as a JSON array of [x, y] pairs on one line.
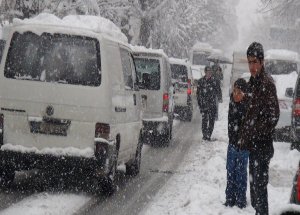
[[189, 90], [298, 186], [102, 130], [296, 111], [165, 102]]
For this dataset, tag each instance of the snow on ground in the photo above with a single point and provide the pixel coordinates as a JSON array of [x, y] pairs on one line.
[[198, 186], [44, 203]]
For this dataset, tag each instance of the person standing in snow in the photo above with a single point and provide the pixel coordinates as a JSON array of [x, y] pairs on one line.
[[237, 159], [208, 91], [258, 127]]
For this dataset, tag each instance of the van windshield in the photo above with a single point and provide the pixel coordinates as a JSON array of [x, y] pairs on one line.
[[56, 58], [148, 72], [179, 72], [200, 59], [278, 67]]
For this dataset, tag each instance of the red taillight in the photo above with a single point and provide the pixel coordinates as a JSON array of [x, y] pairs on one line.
[[189, 90], [296, 111], [102, 130], [298, 186], [165, 102]]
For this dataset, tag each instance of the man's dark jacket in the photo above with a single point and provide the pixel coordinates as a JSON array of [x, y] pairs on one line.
[[262, 114], [208, 93], [236, 115]]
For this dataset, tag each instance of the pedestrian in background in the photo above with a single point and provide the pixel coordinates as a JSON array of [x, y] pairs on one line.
[[258, 128], [237, 158], [208, 93]]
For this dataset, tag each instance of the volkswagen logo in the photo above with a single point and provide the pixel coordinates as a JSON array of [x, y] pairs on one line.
[[50, 110]]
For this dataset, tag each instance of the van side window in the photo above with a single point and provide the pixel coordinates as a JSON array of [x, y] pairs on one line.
[[128, 69]]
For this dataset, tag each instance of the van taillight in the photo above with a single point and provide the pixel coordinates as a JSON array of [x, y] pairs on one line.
[[102, 130], [298, 185], [189, 90], [297, 107], [165, 102]]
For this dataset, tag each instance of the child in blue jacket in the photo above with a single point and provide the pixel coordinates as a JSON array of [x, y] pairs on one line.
[[237, 158]]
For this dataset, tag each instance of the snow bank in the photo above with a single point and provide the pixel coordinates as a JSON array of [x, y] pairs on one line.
[[281, 54], [69, 151], [93, 23]]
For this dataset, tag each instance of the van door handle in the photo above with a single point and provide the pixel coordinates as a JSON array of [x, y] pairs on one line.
[[134, 99]]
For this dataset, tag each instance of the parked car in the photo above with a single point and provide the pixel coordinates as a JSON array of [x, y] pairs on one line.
[[294, 207], [154, 74], [182, 81], [66, 103], [283, 66], [294, 93]]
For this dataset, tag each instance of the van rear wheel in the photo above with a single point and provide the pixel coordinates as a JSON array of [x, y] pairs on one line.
[[107, 183]]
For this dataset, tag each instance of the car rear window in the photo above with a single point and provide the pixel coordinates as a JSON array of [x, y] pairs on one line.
[[279, 67], [148, 72], [56, 58], [179, 72]]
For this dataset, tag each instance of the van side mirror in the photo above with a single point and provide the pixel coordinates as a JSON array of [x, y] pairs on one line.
[[289, 92]]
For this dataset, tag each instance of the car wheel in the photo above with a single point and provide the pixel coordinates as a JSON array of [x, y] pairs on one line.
[[107, 183], [6, 177], [133, 169]]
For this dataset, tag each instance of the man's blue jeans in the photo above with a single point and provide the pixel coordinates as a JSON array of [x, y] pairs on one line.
[[237, 161]]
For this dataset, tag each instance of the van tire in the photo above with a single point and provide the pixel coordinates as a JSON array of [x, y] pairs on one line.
[[107, 183], [6, 177], [133, 169]]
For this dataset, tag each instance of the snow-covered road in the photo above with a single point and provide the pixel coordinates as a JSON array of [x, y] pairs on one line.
[[198, 187]]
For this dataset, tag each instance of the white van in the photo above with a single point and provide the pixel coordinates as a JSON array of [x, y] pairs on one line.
[[69, 99], [283, 66], [154, 74], [182, 81]]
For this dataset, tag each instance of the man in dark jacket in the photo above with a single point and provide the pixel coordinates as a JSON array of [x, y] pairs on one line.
[[258, 127], [208, 93]]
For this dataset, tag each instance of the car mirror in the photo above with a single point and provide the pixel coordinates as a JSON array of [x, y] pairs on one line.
[[289, 92]]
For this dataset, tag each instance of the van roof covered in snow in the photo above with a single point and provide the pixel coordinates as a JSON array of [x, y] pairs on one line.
[[142, 49], [95, 24], [179, 61], [282, 54], [199, 46]]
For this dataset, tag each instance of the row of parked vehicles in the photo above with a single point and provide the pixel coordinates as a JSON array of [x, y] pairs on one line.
[[82, 100]]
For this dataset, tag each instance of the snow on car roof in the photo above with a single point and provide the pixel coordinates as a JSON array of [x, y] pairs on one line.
[[199, 46], [178, 61], [281, 54], [143, 49], [96, 24]]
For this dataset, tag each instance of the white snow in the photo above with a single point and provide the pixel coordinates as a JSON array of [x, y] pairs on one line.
[[281, 54], [179, 61], [69, 151], [93, 23], [44, 203], [142, 49], [200, 46]]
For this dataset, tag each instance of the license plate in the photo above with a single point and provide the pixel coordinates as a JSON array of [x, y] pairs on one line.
[[49, 128]]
